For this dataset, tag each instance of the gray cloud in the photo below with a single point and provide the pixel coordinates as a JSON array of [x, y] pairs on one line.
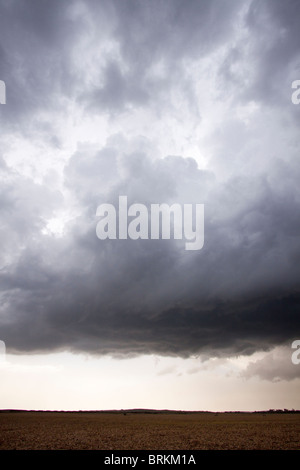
[[276, 48], [274, 366], [34, 65], [239, 293]]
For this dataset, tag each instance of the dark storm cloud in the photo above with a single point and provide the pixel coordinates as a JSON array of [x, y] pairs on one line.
[[174, 29], [157, 34], [36, 43], [40, 50], [275, 29], [118, 90], [236, 295], [240, 292]]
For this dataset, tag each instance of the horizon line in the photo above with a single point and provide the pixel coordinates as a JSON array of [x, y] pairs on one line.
[[144, 410]]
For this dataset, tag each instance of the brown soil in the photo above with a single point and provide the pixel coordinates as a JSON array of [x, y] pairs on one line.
[[149, 431]]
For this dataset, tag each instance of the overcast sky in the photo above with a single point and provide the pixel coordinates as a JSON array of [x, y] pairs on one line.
[[165, 101]]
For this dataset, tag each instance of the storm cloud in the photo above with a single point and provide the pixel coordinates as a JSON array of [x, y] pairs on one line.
[[164, 102]]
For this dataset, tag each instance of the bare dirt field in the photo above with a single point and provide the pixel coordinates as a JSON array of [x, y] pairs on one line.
[[149, 431]]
